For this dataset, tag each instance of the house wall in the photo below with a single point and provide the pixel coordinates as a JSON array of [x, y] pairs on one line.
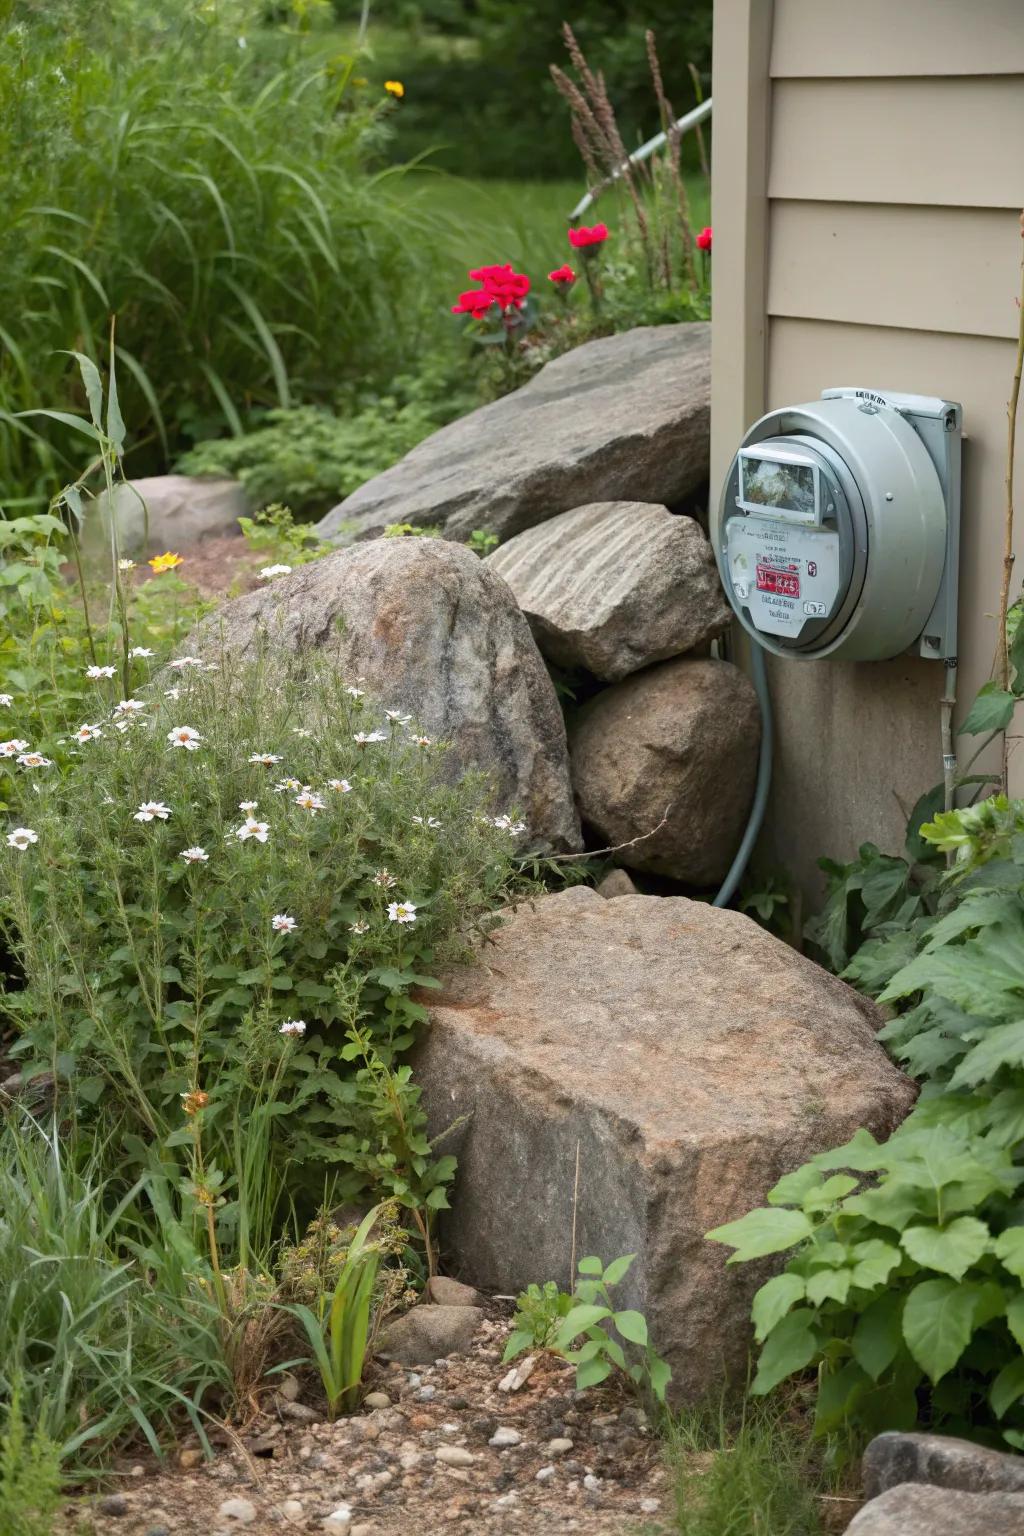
[[867, 180]]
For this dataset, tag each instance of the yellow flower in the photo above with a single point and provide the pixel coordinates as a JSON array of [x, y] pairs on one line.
[[165, 562], [394, 88]]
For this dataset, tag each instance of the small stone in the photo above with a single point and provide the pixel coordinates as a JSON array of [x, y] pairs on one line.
[[241, 1510], [289, 1387], [545, 1474], [298, 1411], [518, 1375], [292, 1511], [415, 1380], [366, 1429], [454, 1456], [506, 1501], [363, 1529], [318, 1459], [374, 1400], [445, 1292], [559, 1447], [409, 1460], [504, 1436], [137, 1471], [426, 1394], [339, 1521], [649, 1506], [113, 1504], [158, 1530], [591, 1483]]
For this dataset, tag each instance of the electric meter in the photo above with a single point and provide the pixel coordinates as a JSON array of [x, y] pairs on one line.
[[838, 531]]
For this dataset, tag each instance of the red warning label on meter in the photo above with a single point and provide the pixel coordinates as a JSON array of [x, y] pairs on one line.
[[784, 583]]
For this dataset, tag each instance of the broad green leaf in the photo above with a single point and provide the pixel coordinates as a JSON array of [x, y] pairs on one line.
[[874, 1262], [828, 1285], [1000, 1046], [591, 1266], [659, 1375], [1015, 1317], [992, 710], [877, 1336], [793, 1188], [579, 1319], [938, 1321], [592, 1372], [1009, 1249], [618, 1269], [773, 1301], [833, 1189], [838, 1393], [1008, 1387], [761, 1232], [790, 1347], [953, 1249], [632, 1325], [977, 976]]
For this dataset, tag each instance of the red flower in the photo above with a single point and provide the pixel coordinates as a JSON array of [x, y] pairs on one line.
[[704, 239], [506, 287], [474, 303], [562, 276], [582, 237]]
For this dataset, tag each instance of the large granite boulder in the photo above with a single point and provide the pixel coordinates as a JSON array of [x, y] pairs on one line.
[[941, 1460], [680, 738], [427, 629], [167, 512], [615, 586], [676, 1055], [915, 1510], [623, 417]]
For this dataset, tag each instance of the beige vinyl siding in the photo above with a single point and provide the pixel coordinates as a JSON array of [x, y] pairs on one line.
[[951, 142], [886, 166], [873, 38]]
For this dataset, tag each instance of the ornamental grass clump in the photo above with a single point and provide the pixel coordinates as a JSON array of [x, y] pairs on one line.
[[220, 913]]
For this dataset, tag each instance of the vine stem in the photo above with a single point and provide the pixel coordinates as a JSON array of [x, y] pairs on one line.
[[1002, 667]]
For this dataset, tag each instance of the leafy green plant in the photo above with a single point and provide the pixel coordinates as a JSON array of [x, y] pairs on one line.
[[30, 1478], [179, 949], [564, 1321], [274, 534], [338, 1333], [906, 1281]]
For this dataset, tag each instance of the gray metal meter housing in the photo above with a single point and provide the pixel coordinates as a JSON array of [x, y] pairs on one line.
[[839, 527]]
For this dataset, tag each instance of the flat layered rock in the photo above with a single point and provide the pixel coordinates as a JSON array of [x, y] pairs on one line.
[[681, 738], [944, 1461], [914, 1510], [615, 586], [676, 1055], [426, 629], [624, 417]]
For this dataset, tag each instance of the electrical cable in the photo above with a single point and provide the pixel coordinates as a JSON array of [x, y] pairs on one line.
[[759, 677]]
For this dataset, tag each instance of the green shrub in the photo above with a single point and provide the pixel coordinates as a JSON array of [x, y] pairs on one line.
[[29, 1475], [906, 1284], [215, 197], [235, 953]]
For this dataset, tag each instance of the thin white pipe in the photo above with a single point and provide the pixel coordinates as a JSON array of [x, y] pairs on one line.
[[683, 125]]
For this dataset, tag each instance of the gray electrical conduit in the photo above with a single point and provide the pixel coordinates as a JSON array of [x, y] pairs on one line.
[[759, 675]]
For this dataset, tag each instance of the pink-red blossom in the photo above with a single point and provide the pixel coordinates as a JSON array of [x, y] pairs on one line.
[[583, 237], [506, 287], [475, 302], [704, 239], [562, 276]]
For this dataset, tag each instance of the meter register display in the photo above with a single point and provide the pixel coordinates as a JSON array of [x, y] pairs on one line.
[[838, 529]]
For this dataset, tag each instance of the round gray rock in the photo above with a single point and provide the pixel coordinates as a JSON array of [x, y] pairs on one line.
[[944, 1461], [915, 1510], [427, 1332], [426, 628], [683, 736], [167, 512], [615, 586]]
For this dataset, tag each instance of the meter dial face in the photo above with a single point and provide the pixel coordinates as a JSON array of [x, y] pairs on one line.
[[789, 575]]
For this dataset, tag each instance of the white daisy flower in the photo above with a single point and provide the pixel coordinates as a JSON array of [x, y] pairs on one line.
[[359, 927], [129, 707], [341, 786], [181, 662], [426, 821], [355, 693], [126, 565], [6, 700], [87, 733], [293, 1027], [402, 911], [270, 571], [252, 828], [172, 693], [506, 824], [13, 747], [265, 759], [152, 810], [385, 879], [138, 651], [310, 802], [421, 741], [21, 837], [396, 717], [194, 855], [185, 736], [100, 671], [248, 806], [286, 785], [282, 923], [300, 730], [365, 738], [34, 760]]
